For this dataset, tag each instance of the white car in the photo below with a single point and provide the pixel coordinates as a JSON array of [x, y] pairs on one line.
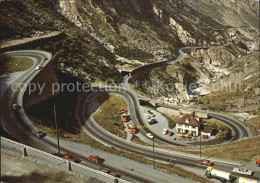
[[38, 67], [149, 135], [165, 131], [4, 76], [147, 116], [242, 170], [16, 107]]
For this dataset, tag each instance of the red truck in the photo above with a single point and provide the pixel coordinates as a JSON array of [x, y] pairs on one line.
[[125, 118], [257, 162], [131, 127]]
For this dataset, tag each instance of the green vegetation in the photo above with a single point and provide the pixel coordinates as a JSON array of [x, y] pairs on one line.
[[172, 121], [245, 150], [133, 53], [107, 116], [222, 130], [15, 64], [254, 124]]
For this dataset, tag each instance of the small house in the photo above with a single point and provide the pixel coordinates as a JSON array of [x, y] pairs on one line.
[[207, 131], [188, 124]]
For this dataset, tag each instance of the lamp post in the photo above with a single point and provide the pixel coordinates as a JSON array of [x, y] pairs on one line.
[[55, 119]]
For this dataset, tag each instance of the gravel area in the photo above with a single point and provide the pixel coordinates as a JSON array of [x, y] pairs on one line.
[[17, 169]]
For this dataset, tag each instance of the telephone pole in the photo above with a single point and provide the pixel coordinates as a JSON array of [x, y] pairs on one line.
[[200, 145], [57, 134], [153, 155]]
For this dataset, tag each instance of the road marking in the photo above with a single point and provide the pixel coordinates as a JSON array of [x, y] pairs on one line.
[[53, 149], [35, 139], [143, 126]]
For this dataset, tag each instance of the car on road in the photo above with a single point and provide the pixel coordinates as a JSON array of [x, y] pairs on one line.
[[115, 174], [149, 135], [70, 157], [205, 162], [16, 107], [152, 121], [4, 76], [39, 133], [95, 159], [242, 170], [38, 67], [165, 131], [45, 59], [147, 116]]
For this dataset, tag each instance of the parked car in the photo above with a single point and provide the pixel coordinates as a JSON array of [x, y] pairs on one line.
[[38, 67], [147, 116], [39, 133], [149, 135], [152, 115], [150, 112], [170, 133], [70, 157], [95, 159], [4, 76], [122, 111], [16, 107], [206, 162], [152, 121], [165, 131], [242, 170]]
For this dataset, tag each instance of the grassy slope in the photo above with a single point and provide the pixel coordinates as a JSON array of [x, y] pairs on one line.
[[15, 64], [108, 118]]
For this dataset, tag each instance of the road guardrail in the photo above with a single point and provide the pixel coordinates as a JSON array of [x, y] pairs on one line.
[[65, 164]]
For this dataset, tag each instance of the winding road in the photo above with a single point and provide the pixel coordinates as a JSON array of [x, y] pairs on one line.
[[17, 124]]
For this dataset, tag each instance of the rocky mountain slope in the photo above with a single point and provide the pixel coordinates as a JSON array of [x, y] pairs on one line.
[[104, 36], [241, 14]]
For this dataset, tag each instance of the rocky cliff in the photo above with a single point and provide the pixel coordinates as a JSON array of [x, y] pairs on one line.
[[107, 36]]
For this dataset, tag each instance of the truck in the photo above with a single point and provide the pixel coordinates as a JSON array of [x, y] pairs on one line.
[[245, 180], [218, 174], [125, 118], [257, 162], [131, 127]]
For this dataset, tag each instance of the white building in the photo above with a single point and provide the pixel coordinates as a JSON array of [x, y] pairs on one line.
[[188, 123]]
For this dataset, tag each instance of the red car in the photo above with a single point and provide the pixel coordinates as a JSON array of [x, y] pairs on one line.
[[205, 162], [70, 157], [95, 159]]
